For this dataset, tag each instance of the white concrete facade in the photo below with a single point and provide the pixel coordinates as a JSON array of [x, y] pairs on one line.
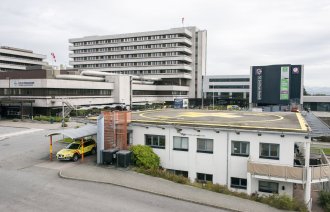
[[13, 59], [226, 86], [222, 164], [177, 56]]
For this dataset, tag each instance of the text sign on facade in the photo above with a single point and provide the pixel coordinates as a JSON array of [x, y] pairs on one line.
[[24, 83], [258, 72], [284, 88]]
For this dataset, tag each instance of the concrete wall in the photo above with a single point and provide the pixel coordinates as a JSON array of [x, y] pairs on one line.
[[221, 164]]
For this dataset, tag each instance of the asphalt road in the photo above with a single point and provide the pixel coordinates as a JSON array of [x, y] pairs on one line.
[[26, 184]]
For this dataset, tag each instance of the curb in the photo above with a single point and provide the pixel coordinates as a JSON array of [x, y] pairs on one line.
[[150, 192]]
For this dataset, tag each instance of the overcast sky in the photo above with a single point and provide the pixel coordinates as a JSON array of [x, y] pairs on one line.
[[241, 33]]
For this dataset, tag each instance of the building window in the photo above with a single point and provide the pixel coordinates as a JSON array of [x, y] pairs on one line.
[[269, 151], [268, 187], [240, 148], [238, 183], [204, 145], [180, 143], [178, 172], [155, 141], [201, 177]]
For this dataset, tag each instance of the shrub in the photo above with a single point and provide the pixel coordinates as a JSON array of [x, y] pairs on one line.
[[165, 175], [324, 200], [144, 157]]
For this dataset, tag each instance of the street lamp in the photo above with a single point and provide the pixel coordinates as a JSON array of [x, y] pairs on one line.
[[213, 94]]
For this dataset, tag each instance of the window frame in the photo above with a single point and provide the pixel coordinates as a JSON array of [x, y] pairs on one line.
[[240, 148], [269, 150], [158, 146], [240, 185], [269, 185], [205, 145], [181, 141], [205, 176]]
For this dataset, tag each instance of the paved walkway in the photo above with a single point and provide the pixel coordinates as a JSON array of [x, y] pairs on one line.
[[90, 172], [30, 124]]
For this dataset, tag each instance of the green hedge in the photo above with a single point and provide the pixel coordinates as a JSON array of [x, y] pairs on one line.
[[48, 118], [324, 200], [144, 157]]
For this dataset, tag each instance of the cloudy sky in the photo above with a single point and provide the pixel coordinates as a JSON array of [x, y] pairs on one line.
[[241, 33]]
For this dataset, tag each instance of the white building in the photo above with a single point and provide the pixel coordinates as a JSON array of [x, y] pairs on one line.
[[226, 86], [249, 152], [14, 59], [177, 57]]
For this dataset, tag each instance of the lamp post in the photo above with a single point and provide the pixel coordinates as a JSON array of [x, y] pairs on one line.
[[213, 94]]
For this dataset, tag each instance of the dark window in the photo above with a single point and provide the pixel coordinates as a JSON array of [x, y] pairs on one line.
[[229, 86], [155, 141], [238, 183], [269, 151], [229, 80], [180, 143], [204, 145], [202, 177], [268, 187], [240, 148]]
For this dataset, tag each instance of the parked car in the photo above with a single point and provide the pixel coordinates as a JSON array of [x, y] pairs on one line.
[[74, 150]]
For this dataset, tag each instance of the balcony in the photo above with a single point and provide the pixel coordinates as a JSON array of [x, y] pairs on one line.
[[277, 172], [294, 174]]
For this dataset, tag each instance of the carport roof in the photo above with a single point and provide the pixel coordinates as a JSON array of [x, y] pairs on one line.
[[80, 132]]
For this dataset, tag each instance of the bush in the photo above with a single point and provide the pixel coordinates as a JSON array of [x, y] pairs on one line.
[[49, 118], [283, 202], [165, 175], [324, 200], [144, 157]]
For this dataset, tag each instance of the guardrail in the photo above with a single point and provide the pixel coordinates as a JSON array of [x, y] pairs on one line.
[[318, 173], [279, 171]]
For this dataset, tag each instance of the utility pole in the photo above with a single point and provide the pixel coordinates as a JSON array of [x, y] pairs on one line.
[[213, 94], [62, 113]]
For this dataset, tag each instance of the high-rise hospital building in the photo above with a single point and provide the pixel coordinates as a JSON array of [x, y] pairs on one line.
[[174, 59]]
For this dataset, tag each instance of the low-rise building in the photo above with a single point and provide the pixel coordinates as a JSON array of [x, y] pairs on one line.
[[226, 89], [250, 152]]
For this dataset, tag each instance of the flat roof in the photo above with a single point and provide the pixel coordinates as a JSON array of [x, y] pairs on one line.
[[273, 121]]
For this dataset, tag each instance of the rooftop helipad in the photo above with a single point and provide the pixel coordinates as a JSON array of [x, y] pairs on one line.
[[280, 121]]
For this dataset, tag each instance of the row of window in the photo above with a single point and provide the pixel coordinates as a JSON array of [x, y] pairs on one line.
[[263, 186], [229, 79], [266, 150], [133, 64], [53, 92], [128, 56], [238, 148], [131, 39], [16, 63], [240, 183], [130, 48], [146, 72], [158, 93], [20, 57], [229, 86]]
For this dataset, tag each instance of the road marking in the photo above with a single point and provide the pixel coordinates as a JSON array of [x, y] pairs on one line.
[[8, 135]]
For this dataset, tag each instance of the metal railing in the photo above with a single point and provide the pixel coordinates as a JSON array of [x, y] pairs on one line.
[[318, 173], [278, 171]]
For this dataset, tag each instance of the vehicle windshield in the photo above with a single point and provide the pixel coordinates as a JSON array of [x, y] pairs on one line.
[[73, 146]]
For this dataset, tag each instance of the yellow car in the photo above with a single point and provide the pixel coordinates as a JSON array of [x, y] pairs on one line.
[[74, 150]]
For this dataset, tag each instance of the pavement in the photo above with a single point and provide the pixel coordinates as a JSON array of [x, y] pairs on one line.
[[88, 171]]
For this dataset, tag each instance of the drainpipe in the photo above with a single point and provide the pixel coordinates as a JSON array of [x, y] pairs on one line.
[[227, 179], [307, 196]]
